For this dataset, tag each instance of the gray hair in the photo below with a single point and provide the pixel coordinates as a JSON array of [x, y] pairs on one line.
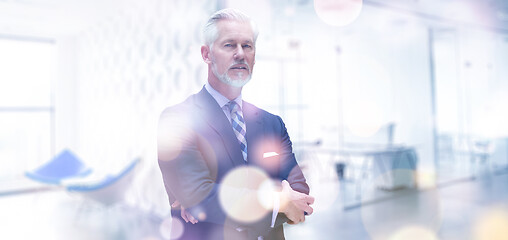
[[211, 33]]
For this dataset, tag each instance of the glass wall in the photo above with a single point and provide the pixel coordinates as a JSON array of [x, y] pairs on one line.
[[470, 94]]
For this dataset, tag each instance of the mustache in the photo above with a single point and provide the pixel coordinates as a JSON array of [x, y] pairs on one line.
[[240, 62]]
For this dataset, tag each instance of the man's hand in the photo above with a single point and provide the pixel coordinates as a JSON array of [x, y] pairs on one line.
[[187, 217], [294, 204]]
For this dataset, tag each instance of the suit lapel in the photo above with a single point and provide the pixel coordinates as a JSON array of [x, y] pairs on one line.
[[254, 131], [215, 117]]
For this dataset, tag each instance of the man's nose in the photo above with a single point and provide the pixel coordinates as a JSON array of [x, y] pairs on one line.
[[239, 54]]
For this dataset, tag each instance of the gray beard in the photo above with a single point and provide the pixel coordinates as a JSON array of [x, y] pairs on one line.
[[228, 80]]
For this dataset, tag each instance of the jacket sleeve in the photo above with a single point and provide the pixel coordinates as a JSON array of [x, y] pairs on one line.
[[191, 179], [187, 176], [289, 169]]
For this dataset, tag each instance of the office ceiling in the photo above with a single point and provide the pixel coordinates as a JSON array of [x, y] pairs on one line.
[[67, 17], [49, 18], [489, 14]]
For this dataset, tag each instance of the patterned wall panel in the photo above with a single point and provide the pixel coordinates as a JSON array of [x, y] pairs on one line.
[[130, 67]]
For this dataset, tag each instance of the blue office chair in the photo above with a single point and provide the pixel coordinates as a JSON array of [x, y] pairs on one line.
[[64, 166], [111, 189]]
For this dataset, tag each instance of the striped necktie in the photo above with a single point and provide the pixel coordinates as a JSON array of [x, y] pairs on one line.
[[238, 126]]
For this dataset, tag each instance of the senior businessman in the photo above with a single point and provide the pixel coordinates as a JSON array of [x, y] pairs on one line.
[[228, 167]]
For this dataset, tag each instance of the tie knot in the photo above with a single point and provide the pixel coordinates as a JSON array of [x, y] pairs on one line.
[[233, 107]]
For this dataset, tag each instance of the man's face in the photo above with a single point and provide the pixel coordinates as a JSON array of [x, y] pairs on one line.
[[233, 53]]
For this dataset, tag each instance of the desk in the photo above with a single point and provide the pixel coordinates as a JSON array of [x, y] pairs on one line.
[[389, 163]]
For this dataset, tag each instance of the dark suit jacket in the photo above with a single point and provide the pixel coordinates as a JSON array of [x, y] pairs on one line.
[[197, 148]]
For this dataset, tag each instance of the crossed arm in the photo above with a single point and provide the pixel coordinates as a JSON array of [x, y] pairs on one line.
[[190, 182], [293, 204]]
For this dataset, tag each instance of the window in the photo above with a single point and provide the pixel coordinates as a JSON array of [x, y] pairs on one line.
[[26, 104]]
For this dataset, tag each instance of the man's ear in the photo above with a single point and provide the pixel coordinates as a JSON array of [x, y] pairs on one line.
[[205, 54]]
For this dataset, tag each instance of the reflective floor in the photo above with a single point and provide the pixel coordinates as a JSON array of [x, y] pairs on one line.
[[474, 209]]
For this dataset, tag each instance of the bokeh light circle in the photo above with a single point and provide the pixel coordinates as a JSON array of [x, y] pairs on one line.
[[173, 129], [171, 228], [240, 193], [367, 94], [150, 238], [388, 213], [265, 194], [492, 224], [414, 233], [201, 216], [325, 188], [338, 12], [365, 121], [426, 179]]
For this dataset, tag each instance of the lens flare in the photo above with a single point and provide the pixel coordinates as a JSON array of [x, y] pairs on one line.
[[240, 192], [338, 12]]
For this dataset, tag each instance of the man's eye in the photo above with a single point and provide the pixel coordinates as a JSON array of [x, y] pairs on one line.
[[228, 45], [247, 46]]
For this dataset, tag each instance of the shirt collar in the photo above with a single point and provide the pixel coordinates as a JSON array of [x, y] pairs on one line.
[[221, 100]]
